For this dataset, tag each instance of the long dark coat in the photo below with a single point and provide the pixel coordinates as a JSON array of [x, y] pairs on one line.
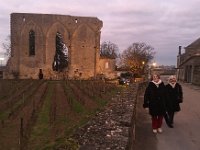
[[154, 99], [174, 97]]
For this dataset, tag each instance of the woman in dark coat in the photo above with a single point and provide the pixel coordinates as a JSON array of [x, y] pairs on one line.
[[154, 100], [174, 96]]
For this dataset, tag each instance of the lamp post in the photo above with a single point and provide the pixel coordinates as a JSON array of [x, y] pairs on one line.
[[149, 72], [144, 73], [1, 59], [153, 65], [150, 69]]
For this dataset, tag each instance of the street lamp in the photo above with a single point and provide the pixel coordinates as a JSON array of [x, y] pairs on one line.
[[154, 64], [143, 62], [144, 70], [1, 59], [151, 69]]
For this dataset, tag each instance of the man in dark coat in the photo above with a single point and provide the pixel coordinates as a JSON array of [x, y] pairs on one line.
[[154, 100], [174, 95]]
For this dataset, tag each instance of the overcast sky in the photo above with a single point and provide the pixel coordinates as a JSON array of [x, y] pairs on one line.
[[163, 24]]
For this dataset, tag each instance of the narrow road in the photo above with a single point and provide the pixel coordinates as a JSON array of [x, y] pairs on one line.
[[184, 136]]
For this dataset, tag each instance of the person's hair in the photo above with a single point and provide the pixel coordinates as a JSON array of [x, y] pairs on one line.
[[155, 75], [172, 77]]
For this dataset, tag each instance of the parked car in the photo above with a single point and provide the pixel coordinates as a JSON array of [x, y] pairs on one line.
[[123, 81]]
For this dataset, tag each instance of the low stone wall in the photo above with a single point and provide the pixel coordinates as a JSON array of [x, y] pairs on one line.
[[114, 127]]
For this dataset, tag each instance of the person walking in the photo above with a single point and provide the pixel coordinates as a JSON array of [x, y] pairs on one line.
[[174, 96], [154, 102]]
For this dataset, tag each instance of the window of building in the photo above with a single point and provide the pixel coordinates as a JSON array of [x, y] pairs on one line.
[[31, 43], [106, 65]]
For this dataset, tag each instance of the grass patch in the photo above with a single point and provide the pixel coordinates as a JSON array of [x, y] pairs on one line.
[[77, 107]]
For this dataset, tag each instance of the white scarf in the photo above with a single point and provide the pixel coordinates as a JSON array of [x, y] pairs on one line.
[[157, 83], [172, 85]]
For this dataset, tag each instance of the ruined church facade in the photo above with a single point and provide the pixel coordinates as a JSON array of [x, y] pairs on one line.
[[81, 36]]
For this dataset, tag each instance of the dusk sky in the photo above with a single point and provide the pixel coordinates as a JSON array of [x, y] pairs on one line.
[[163, 24]]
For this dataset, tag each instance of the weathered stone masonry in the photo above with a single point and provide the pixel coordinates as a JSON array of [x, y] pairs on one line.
[[81, 35], [188, 63]]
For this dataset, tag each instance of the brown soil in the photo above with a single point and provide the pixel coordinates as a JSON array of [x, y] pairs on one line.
[[83, 98], [63, 119], [10, 131]]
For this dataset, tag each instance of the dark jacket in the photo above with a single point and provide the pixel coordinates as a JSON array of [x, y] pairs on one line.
[[154, 99], [174, 97]]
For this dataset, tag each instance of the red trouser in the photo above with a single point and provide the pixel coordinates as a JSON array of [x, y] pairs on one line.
[[157, 122]]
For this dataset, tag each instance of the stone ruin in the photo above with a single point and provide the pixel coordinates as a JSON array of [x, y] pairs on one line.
[[33, 47]]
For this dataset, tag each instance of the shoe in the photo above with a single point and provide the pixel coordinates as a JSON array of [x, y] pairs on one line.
[[154, 131], [159, 130], [170, 125]]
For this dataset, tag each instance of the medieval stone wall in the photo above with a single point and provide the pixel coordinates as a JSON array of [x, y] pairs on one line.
[[106, 67], [81, 36]]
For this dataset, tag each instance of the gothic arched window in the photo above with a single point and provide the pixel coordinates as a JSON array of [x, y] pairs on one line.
[[61, 54], [31, 43]]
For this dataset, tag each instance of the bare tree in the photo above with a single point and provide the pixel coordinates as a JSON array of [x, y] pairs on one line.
[[137, 56], [109, 50], [7, 46]]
